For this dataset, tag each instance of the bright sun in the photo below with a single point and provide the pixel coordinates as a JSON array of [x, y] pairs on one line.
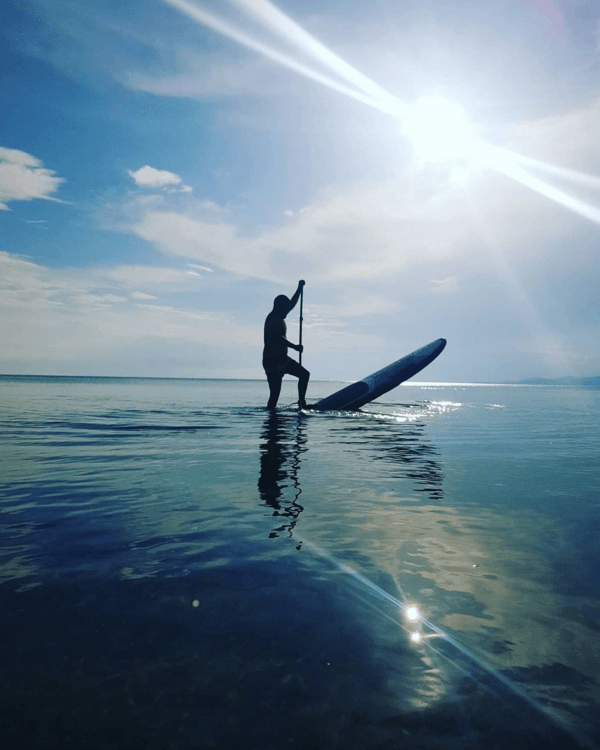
[[438, 130]]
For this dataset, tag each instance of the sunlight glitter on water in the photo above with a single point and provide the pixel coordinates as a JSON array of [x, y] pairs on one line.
[[422, 411]]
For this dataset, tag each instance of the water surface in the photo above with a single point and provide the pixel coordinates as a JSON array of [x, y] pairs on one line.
[[180, 568]]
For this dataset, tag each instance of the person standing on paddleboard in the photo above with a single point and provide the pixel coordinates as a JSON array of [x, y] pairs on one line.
[[275, 357]]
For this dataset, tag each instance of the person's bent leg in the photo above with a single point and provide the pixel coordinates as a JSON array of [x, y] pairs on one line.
[[274, 388], [302, 386], [295, 368]]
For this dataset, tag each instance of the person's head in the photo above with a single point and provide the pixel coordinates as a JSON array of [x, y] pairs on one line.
[[282, 305]]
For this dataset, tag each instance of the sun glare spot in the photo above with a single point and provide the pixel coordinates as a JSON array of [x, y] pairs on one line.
[[438, 130], [412, 614]]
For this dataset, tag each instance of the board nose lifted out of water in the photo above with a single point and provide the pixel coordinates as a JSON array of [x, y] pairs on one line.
[[360, 393]]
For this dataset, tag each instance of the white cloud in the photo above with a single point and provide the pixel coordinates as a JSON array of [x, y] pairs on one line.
[[178, 234], [377, 230], [149, 177], [21, 158], [64, 321], [368, 231], [23, 178], [59, 316]]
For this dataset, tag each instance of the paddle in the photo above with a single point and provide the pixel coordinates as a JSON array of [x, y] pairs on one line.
[[301, 319]]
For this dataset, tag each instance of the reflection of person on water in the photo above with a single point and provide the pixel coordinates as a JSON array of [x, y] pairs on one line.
[[278, 483], [275, 357]]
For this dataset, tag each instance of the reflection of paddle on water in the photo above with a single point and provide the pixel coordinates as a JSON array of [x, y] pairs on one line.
[[282, 443]]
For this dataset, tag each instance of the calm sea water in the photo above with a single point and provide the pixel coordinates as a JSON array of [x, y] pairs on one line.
[[181, 569]]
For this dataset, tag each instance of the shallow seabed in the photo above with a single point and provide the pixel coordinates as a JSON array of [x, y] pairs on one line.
[[181, 569]]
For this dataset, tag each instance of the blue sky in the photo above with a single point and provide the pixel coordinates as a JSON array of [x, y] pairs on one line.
[[161, 182]]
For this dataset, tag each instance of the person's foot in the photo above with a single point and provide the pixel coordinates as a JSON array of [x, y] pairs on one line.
[[302, 404]]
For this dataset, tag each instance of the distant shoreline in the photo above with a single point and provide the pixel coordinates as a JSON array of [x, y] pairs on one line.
[[590, 382]]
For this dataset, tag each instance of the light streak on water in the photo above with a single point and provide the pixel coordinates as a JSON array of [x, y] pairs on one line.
[[360, 87], [420, 638]]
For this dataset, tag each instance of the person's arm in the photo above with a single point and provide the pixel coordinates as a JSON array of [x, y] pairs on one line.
[[297, 347], [293, 301], [297, 293]]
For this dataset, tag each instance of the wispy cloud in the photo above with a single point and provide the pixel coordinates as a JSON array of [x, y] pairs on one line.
[[380, 229], [52, 316], [142, 296], [372, 230], [449, 285], [201, 75], [156, 52], [153, 278], [24, 178], [182, 235]]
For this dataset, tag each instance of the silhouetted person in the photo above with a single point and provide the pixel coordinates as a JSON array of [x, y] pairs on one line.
[[275, 357]]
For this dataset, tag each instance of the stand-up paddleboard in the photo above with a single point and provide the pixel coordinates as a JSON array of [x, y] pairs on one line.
[[360, 393]]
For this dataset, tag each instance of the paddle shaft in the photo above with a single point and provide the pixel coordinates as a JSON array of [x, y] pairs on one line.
[[301, 319]]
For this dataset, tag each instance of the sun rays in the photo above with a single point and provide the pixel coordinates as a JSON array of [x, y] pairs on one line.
[[438, 130]]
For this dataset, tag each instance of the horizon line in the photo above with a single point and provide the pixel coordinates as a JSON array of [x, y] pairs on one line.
[[524, 382]]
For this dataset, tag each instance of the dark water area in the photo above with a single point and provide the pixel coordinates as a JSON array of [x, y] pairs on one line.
[[181, 569]]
